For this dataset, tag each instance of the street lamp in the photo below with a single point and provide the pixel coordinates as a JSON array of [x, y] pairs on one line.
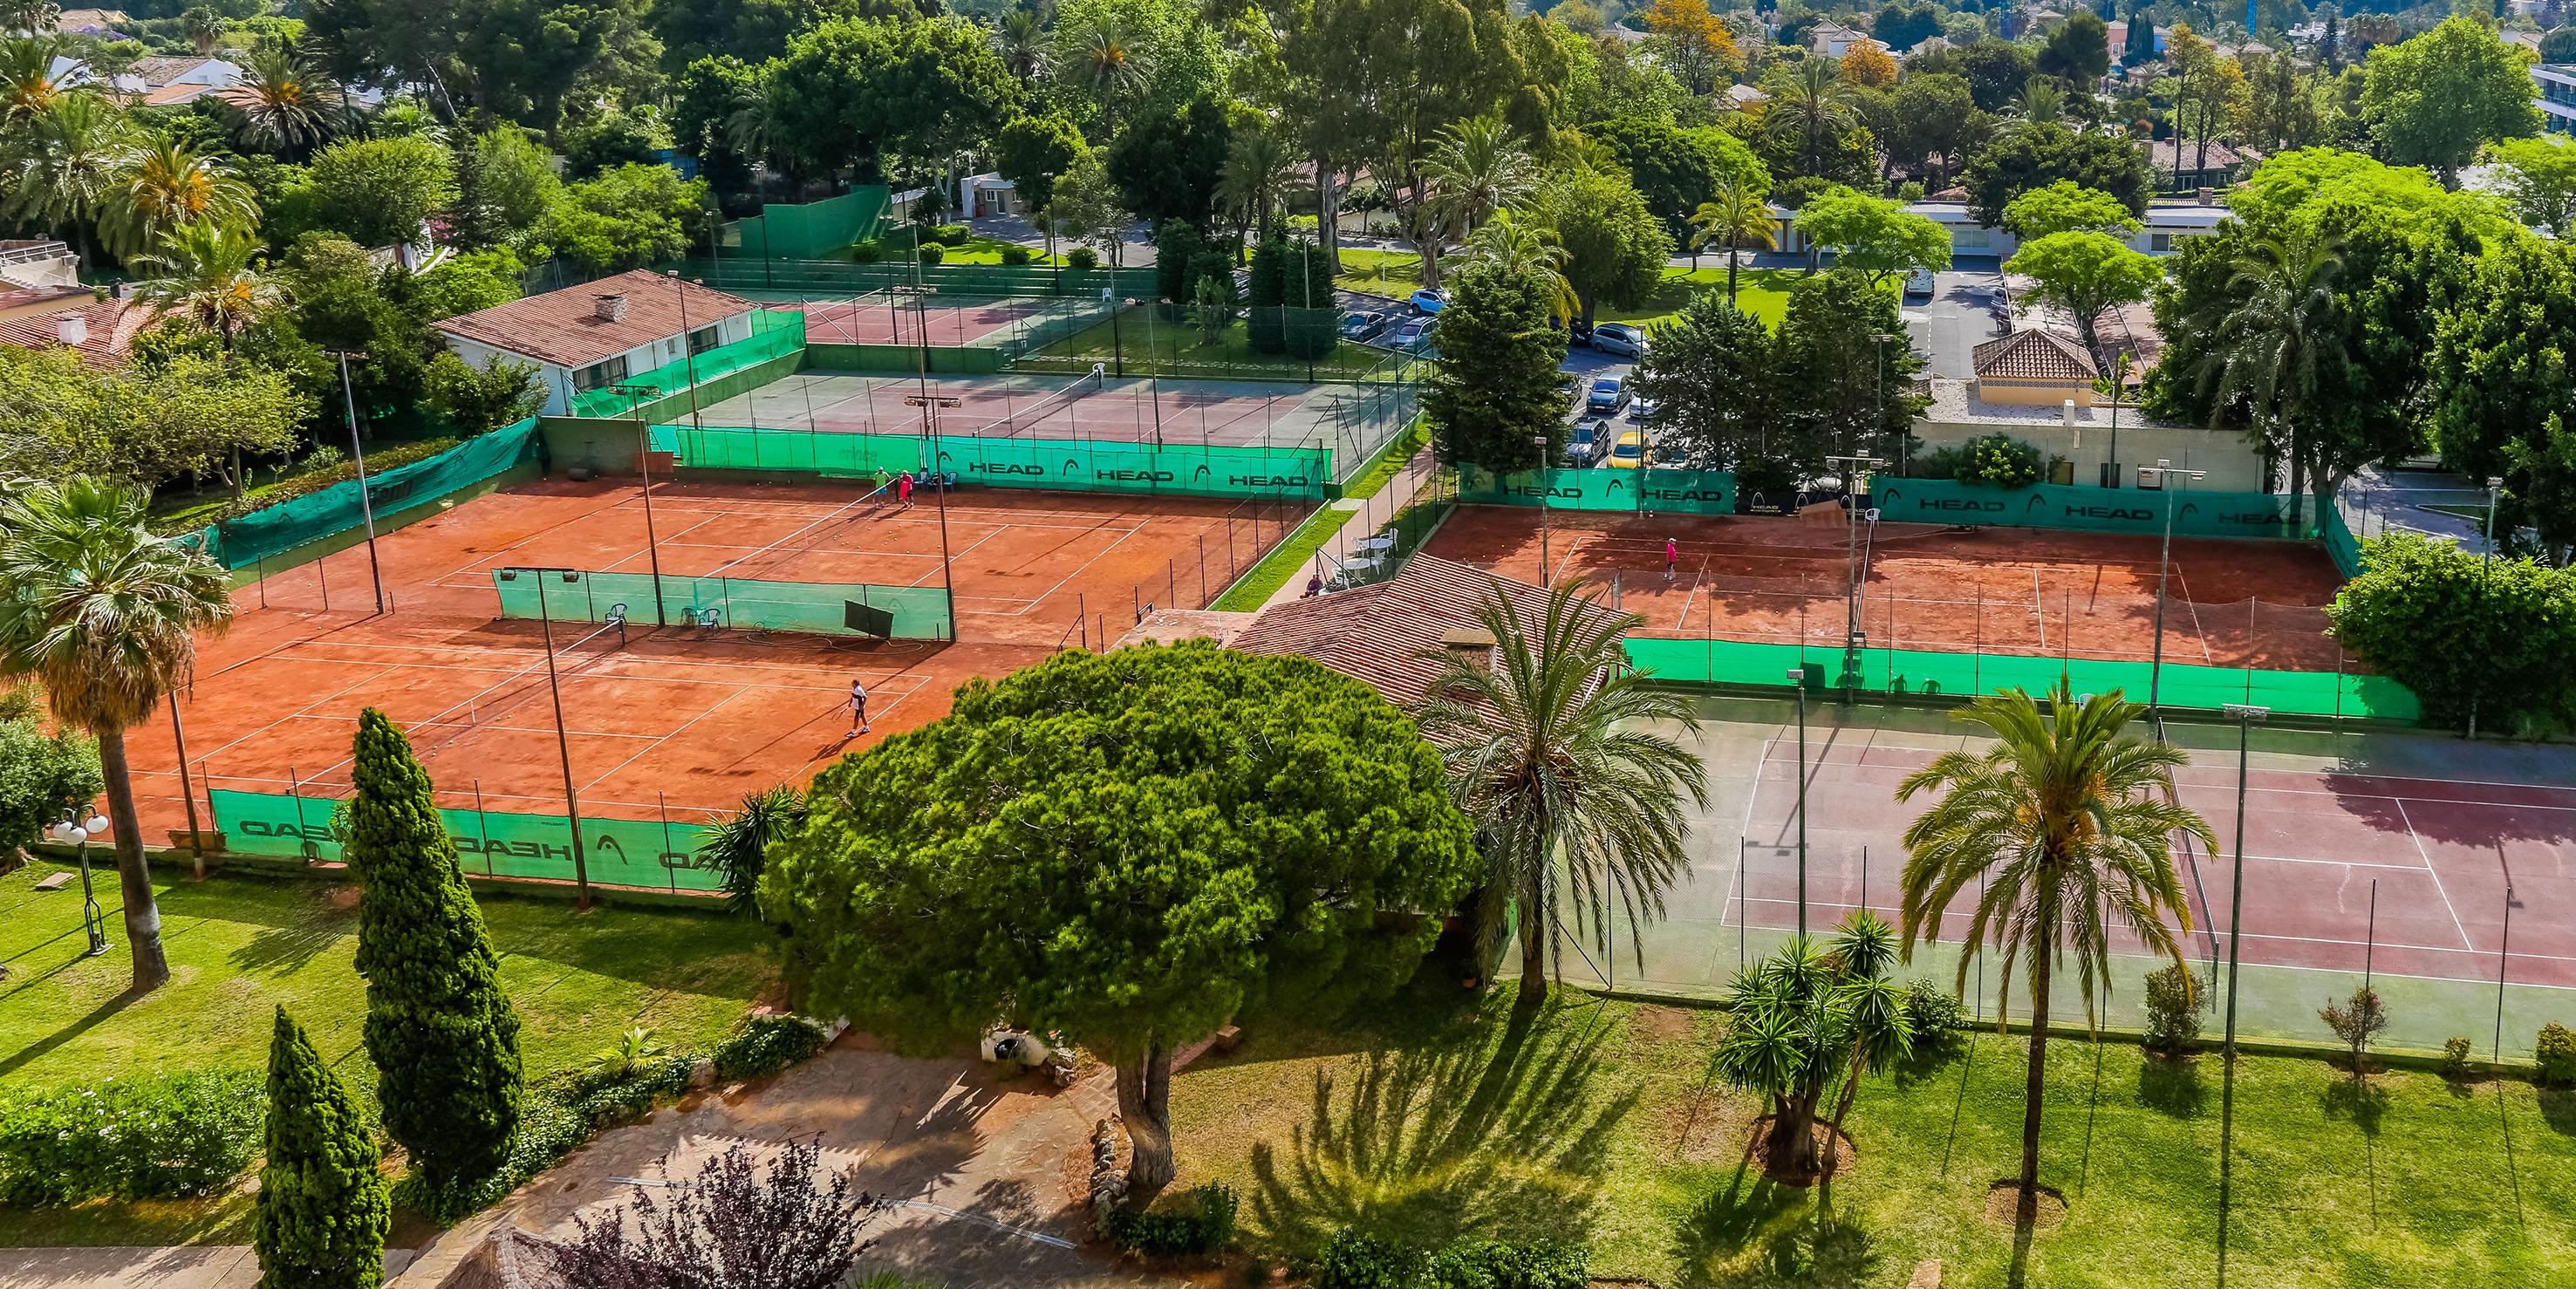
[[2164, 574], [2246, 716], [1855, 566], [77, 832], [358, 455], [1798, 678], [2486, 563]]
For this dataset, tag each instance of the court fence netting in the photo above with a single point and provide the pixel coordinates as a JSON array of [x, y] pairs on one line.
[[730, 603], [775, 333], [264, 534], [2497, 999], [1058, 465], [649, 854]]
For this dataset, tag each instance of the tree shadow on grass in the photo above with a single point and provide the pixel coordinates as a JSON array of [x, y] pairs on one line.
[[1424, 1144], [2363, 1102], [2170, 1085], [1757, 1233], [10, 1063], [2557, 1109], [283, 950]]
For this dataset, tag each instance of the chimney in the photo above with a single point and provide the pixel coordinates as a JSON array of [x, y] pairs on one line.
[[610, 306], [2068, 412], [71, 329], [1471, 645], [2207, 194]]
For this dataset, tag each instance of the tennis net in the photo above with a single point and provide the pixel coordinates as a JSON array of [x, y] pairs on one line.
[[853, 609]]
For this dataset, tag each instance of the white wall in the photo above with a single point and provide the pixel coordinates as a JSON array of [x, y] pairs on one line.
[[558, 379], [2232, 462]]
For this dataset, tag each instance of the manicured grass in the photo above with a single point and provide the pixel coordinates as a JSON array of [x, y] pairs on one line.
[[1175, 348], [1434, 1118], [240, 945], [986, 250], [1281, 564], [1764, 293], [1389, 273]]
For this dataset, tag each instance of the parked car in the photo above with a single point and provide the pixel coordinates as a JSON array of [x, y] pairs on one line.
[[1578, 333], [1620, 338], [1585, 443], [1431, 299], [1414, 334], [1631, 453], [1361, 326], [1609, 394], [1644, 410], [1920, 284]]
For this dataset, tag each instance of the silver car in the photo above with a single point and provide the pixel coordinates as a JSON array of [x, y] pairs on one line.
[[1619, 338]]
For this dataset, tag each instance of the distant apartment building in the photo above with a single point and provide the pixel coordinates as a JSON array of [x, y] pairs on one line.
[[2557, 96]]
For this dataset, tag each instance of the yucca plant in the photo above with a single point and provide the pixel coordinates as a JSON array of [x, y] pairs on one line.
[[1805, 1020]]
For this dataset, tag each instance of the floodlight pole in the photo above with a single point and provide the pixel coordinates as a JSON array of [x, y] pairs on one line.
[[1546, 573], [930, 405], [2164, 473], [563, 746], [2246, 715], [187, 790], [2486, 563], [688, 356], [1855, 487], [1799, 678], [2119, 389], [644, 463], [921, 366], [1878, 391], [358, 454]]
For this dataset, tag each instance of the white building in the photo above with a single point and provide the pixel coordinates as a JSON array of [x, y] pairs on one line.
[[2166, 224], [607, 332], [2557, 96]]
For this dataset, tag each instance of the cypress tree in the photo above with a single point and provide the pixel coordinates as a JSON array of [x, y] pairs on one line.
[[1497, 386], [1268, 291], [439, 1028], [322, 1209]]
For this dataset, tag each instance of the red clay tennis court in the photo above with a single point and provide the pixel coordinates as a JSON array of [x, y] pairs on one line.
[[883, 318], [683, 718], [1986, 590]]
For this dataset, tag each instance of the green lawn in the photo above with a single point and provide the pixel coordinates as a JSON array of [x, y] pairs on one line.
[[1764, 293], [986, 250], [1390, 273], [1177, 349], [241, 945], [1433, 1118]]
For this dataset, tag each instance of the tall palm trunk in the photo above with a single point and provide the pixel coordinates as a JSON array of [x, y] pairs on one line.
[[2036, 1087], [133, 874], [1145, 1106]]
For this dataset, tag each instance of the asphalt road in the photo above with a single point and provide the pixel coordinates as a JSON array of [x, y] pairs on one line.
[[1948, 329]]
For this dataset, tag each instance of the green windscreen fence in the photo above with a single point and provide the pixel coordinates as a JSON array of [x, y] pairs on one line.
[[1058, 464], [751, 604], [775, 333], [1922, 671], [274, 530], [653, 854], [812, 231], [1681, 492], [2340, 543], [844, 278], [2049, 505]]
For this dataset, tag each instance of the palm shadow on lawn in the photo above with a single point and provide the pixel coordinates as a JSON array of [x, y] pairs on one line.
[[1797, 1236], [1426, 1144]]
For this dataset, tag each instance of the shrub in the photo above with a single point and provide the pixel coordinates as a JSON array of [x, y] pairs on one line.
[[1202, 1223], [764, 1045], [1017, 254], [2455, 1058], [608, 1103], [951, 234], [549, 1129], [2556, 1053], [2001, 461], [1082, 258], [1932, 1016], [1496, 1264], [2356, 1020], [2173, 1009], [2465, 636], [867, 252], [933, 252], [322, 1209], [1359, 1260], [153, 1138]]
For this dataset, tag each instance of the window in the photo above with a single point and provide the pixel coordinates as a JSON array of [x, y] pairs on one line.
[[597, 374], [702, 340], [1969, 239], [2159, 243]]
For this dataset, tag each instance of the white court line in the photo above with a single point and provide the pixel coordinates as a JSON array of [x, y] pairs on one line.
[[2428, 867]]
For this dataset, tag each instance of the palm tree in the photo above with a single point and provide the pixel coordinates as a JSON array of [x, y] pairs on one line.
[[203, 27], [2041, 102], [1530, 251], [736, 848], [1739, 217], [1477, 168], [27, 81], [104, 614], [2264, 353], [285, 105], [210, 272], [2064, 829], [1254, 182], [1112, 67], [169, 186], [1555, 752], [1021, 41], [65, 161], [1804, 1019], [1809, 106]]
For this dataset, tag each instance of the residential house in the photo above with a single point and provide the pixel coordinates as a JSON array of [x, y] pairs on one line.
[[1745, 97], [2037, 386], [1830, 39], [102, 332], [171, 80], [612, 330], [38, 276], [90, 22], [2181, 165]]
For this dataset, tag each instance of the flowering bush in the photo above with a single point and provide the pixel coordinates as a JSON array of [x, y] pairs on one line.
[[2002, 461], [173, 1135]]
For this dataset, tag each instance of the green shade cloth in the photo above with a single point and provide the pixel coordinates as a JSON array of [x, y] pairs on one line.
[[775, 333], [1662, 492], [275, 530], [815, 608], [490, 843], [2098, 510]]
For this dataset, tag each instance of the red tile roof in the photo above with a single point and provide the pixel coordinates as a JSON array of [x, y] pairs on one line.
[[2035, 354], [564, 327], [112, 325], [1377, 633]]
